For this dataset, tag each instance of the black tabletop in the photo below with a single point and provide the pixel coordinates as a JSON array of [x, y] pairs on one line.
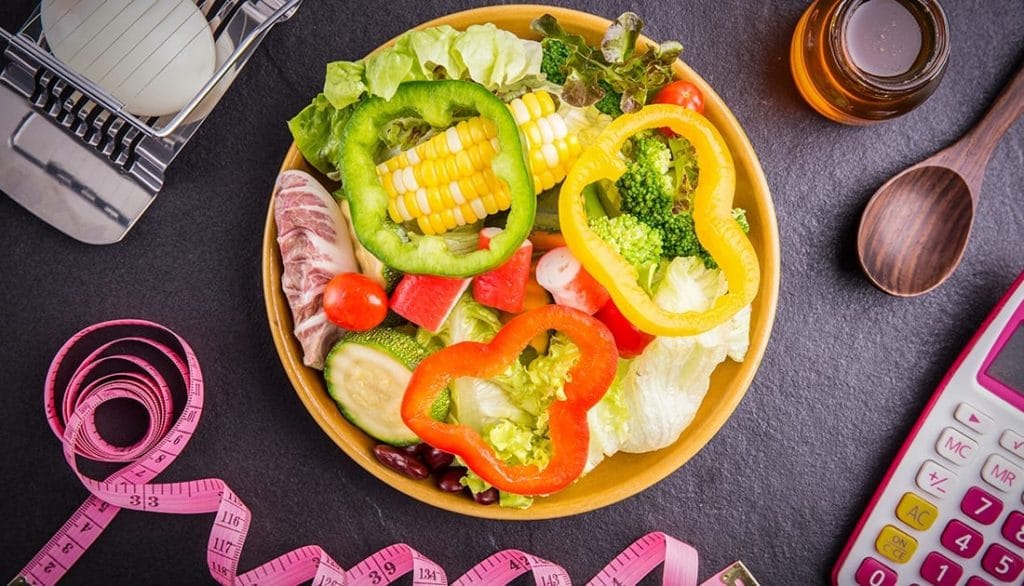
[[781, 486]]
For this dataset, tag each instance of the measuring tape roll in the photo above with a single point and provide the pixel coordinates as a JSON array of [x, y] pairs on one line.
[[144, 362]]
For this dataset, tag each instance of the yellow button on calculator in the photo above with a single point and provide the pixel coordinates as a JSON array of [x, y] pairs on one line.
[[895, 544], [916, 512]]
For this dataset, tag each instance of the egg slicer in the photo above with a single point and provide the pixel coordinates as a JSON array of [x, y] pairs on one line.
[[74, 156]]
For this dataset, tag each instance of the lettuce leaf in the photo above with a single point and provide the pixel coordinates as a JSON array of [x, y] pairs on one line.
[[344, 83], [317, 133], [533, 387], [608, 421], [666, 384]]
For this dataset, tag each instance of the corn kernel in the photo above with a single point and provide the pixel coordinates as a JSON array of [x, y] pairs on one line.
[[452, 140], [393, 211], [434, 199], [532, 133], [424, 224], [389, 186], [490, 128], [468, 213], [464, 163], [412, 209], [459, 218], [421, 201], [546, 134], [436, 223], [547, 105], [478, 208], [532, 105], [550, 154], [490, 205], [519, 111], [403, 212], [447, 200], [537, 161], [456, 192], [409, 180], [397, 180], [468, 190], [448, 219]]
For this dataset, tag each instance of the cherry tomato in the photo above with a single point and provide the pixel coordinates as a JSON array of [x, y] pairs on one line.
[[680, 93], [355, 302], [629, 340]]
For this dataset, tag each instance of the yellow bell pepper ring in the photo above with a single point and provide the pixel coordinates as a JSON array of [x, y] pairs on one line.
[[717, 231]]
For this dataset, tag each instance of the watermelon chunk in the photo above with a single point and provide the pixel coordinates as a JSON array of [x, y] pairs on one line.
[[504, 288], [427, 300]]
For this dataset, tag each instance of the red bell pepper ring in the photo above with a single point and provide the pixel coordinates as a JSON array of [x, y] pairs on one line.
[[587, 382]]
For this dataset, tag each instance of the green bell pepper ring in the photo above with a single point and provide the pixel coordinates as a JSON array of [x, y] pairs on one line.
[[438, 103]]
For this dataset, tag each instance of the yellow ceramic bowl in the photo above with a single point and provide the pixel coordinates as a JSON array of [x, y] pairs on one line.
[[624, 474]]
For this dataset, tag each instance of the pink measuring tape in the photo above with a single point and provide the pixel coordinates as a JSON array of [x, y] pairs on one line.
[[134, 360]]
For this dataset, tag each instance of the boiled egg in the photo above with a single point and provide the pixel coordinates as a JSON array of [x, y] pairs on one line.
[[152, 55]]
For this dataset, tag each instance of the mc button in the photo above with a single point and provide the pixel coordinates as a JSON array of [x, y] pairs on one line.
[[895, 545], [916, 512]]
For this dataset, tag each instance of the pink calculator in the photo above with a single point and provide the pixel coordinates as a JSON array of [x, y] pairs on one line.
[[951, 508]]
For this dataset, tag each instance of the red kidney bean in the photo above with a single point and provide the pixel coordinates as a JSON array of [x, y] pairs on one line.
[[413, 450], [400, 461], [487, 497], [448, 481], [436, 459]]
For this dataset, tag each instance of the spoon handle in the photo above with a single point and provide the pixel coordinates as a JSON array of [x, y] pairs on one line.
[[975, 148]]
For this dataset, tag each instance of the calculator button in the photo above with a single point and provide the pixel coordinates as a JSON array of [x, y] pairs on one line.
[[916, 512], [935, 480], [961, 539], [955, 446], [970, 416], [1000, 473], [976, 581], [1002, 563], [939, 570], [1013, 528], [895, 544], [874, 573], [981, 506], [1013, 442]]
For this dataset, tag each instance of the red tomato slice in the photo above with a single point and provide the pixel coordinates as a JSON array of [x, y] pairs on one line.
[[629, 340], [355, 302]]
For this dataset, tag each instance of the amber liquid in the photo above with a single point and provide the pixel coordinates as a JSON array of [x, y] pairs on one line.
[[883, 38], [862, 61]]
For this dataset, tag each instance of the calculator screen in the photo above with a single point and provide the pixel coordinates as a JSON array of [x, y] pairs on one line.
[[1008, 366]]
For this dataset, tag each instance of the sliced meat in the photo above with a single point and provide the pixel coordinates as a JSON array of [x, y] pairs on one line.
[[313, 238]]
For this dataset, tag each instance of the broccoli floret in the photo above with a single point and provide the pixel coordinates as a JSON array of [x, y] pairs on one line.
[[678, 235], [552, 63], [646, 188], [680, 238], [637, 242], [611, 103]]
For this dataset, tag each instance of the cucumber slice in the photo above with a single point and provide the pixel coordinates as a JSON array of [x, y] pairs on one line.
[[366, 374]]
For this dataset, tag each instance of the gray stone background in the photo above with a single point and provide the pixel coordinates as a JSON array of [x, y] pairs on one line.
[[846, 373]]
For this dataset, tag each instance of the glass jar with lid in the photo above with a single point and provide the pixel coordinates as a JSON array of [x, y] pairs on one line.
[[864, 61]]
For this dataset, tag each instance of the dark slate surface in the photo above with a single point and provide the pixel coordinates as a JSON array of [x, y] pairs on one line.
[[781, 486]]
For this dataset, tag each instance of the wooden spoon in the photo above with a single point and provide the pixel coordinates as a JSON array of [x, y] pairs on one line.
[[915, 228]]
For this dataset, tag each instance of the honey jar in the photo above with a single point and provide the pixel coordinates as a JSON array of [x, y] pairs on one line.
[[864, 61]]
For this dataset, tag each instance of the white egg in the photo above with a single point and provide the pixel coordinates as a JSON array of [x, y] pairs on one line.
[[152, 55]]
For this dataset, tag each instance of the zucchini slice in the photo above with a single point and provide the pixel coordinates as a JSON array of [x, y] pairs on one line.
[[366, 374]]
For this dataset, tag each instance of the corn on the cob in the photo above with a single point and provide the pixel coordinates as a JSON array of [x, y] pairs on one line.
[[447, 181]]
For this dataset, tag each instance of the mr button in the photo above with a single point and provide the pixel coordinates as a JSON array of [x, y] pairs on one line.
[[916, 512], [895, 544]]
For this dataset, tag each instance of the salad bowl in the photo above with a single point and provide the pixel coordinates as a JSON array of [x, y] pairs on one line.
[[622, 475]]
